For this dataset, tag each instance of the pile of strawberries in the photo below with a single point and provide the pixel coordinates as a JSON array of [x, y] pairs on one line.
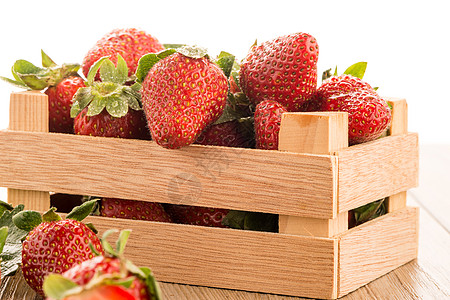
[[132, 86]]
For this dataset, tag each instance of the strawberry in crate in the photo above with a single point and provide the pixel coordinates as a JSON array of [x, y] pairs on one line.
[[107, 276], [60, 83]]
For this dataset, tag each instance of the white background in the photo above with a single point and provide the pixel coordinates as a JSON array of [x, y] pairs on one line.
[[406, 43]]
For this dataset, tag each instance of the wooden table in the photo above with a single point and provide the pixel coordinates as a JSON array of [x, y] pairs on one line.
[[428, 277]]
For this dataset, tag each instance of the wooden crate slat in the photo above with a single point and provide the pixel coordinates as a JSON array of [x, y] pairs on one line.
[[371, 250], [142, 170], [378, 169], [227, 258], [28, 111]]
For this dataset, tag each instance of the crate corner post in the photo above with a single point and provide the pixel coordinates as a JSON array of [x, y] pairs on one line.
[[29, 112]]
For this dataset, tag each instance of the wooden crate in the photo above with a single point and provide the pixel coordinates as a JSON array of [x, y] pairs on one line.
[[311, 183]]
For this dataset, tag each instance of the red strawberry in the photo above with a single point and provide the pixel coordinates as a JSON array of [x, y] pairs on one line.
[[283, 69], [130, 43], [60, 84], [267, 124], [342, 84], [60, 102], [54, 245], [103, 292], [368, 114], [108, 276], [182, 94], [109, 108], [196, 215], [132, 209], [133, 125], [227, 134]]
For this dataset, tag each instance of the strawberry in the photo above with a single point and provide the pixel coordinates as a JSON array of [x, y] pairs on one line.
[[183, 92], [132, 209], [196, 215], [130, 43], [283, 69], [267, 124], [60, 84], [53, 245], [107, 276], [227, 134], [109, 108], [368, 114]]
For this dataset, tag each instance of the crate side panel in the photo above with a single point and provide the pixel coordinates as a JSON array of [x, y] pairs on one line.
[[235, 259], [195, 175], [377, 169], [375, 248]]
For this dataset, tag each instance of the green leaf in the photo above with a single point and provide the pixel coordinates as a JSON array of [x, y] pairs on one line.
[[94, 69], [3, 236], [117, 106], [91, 227], [369, 211], [59, 287], [34, 82], [5, 207], [46, 60], [193, 51], [51, 215], [12, 251], [148, 61], [27, 220], [16, 83], [121, 70], [335, 72], [225, 61], [96, 106], [79, 213], [151, 283], [106, 245], [82, 98], [24, 67], [122, 241], [108, 71], [173, 46], [357, 69], [133, 97], [251, 221]]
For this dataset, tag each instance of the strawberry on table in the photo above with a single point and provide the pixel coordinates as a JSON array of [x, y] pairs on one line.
[[283, 70], [133, 209], [130, 43], [54, 245], [267, 124], [183, 92], [60, 84], [107, 276], [109, 108]]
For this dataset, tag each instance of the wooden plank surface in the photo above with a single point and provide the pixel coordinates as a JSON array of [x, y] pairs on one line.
[[372, 249], [229, 258], [393, 168], [113, 167]]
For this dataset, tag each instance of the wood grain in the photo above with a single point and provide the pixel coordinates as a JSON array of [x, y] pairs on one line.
[[371, 250], [314, 133], [28, 111], [228, 258], [377, 169], [196, 175]]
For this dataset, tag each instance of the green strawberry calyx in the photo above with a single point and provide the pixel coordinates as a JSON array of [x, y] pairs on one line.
[[30, 77], [27, 220], [57, 286], [146, 62], [111, 93]]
